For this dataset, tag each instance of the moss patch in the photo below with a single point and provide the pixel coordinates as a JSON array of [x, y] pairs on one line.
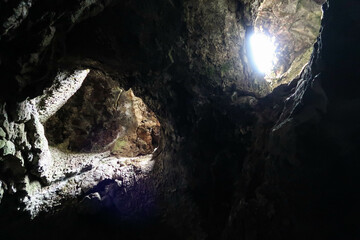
[[119, 145]]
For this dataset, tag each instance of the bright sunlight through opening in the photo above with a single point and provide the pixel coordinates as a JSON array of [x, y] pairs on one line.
[[263, 52]]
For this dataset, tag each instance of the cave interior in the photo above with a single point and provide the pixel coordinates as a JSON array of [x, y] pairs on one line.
[[152, 119]]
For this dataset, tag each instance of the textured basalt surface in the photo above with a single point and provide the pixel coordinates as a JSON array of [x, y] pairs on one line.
[[101, 116], [236, 160]]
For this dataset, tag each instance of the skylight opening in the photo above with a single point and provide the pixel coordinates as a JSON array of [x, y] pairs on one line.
[[263, 52]]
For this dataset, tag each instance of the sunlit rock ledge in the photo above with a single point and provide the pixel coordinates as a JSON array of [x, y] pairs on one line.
[[75, 174]]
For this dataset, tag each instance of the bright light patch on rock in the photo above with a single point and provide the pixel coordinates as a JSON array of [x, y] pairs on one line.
[[64, 86], [263, 52], [75, 174]]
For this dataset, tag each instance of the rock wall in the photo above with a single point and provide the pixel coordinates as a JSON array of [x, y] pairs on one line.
[[308, 179], [100, 117]]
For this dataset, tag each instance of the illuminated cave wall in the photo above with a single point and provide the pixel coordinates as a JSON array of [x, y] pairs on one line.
[[101, 117]]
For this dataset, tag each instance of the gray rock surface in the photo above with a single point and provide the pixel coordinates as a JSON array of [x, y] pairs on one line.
[[2, 190], [2, 133], [9, 148]]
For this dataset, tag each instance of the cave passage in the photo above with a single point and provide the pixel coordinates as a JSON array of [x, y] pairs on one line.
[[101, 116], [94, 131]]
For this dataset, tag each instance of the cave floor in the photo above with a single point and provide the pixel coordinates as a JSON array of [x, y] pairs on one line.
[[76, 173]]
